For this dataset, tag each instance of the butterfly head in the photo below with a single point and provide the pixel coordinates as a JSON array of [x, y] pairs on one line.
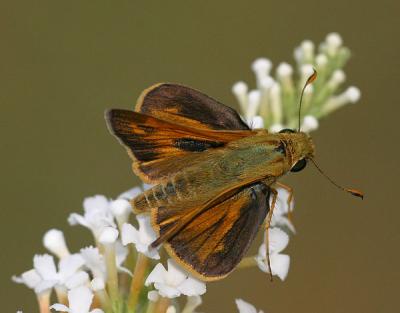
[[300, 146]]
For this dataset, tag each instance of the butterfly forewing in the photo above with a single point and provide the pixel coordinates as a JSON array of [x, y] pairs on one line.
[[160, 148]]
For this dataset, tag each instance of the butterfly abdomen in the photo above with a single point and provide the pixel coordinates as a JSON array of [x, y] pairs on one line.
[[173, 190]]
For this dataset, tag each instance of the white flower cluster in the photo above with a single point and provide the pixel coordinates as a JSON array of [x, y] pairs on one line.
[[274, 103], [93, 273], [92, 277]]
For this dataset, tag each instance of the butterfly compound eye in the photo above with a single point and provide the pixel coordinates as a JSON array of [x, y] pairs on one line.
[[299, 166]]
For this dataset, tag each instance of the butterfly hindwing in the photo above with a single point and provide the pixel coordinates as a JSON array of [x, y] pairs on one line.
[[187, 106], [212, 243]]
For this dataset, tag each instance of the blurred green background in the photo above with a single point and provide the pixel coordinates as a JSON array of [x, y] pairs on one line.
[[62, 63]]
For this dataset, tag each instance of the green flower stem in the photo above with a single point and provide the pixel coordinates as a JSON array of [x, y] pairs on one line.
[[44, 302], [151, 306], [104, 300], [264, 110], [142, 263], [288, 100], [125, 279], [112, 273], [247, 262], [162, 305], [61, 293]]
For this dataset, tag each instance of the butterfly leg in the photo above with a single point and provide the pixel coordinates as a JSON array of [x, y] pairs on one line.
[[289, 199], [267, 227]]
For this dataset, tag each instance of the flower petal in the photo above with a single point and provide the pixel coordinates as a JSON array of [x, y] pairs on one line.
[[77, 219], [191, 304], [175, 275], [54, 241], [147, 233], [30, 278], [245, 307], [129, 234], [78, 279], [280, 265], [45, 266], [97, 202], [167, 291], [120, 208], [278, 240], [69, 265], [192, 287], [131, 193], [45, 285], [97, 284], [60, 307], [80, 299], [94, 261], [108, 235], [157, 275], [121, 253]]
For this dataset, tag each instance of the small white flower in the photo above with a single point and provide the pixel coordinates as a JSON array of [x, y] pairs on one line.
[[121, 253], [254, 100], [333, 42], [321, 60], [97, 215], [54, 241], [284, 70], [310, 123], [282, 210], [240, 89], [97, 284], [44, 274], [80, 300], [245, 307], [261, 68], [94, 261], [256, 122], [81, 278], [174, 282], [141, 238], [121, 209], [108, 235], [353, 94], [278, 240]]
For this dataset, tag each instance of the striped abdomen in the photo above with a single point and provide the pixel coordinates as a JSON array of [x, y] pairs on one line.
[[169, 192]]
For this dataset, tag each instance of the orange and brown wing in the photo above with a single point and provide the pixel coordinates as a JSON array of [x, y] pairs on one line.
[[187, 106], [161, 148], [213, 242]]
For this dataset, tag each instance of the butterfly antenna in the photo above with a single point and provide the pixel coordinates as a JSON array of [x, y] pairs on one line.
[[353, 192], [310, 79]]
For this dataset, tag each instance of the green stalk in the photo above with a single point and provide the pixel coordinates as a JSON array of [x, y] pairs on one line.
[[139, 274]]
